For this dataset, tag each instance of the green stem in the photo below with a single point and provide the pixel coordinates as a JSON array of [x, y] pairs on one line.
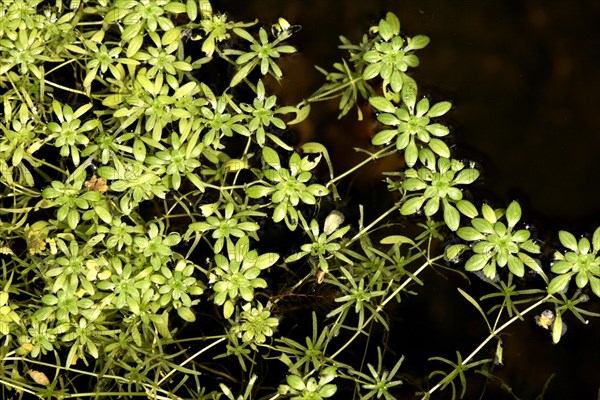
[[386, 301], [325, 95], [216, 342], [492, 335], [372, 224], [372, 157]]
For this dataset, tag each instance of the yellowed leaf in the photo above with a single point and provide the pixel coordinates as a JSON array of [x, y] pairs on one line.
[[39, 377]]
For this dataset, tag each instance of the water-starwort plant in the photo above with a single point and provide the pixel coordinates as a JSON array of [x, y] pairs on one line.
[[157, 214]]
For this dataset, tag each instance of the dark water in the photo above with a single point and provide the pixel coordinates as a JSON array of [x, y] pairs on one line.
[[524, 78]]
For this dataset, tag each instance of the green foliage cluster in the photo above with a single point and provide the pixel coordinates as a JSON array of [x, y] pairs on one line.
[[139, 190]]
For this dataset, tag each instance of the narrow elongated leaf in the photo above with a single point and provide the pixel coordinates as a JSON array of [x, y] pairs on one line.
[[476, 305], [396, 239], [243, 72]]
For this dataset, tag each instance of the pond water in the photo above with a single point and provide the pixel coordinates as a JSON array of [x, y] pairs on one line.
[[524, 80]]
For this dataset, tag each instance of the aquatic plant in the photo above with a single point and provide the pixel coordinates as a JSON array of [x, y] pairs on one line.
[[157, 214]]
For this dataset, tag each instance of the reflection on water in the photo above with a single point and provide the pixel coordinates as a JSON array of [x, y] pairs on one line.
[[524, 80]]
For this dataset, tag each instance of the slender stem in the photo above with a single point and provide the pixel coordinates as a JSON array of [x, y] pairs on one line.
[[323, 96], [224, 188], [372, 157], [492, 335], [190, 359], [372, 224], [56, 85], [387, 300]]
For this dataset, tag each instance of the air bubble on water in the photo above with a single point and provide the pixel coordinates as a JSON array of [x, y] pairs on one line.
[[454, 261], [484, 278]]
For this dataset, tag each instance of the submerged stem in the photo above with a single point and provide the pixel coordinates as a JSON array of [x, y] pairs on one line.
[[492, 335]]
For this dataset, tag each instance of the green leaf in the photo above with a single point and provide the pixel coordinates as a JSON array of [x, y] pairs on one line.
[[466, 176], [411, 154], [393, 22], [327, 390], [382, 104], [417, 42], [561, 267], [103, 214], [385, 30], [422, 107], [186, 314], [301, 114], [467, 208], [412, 184], [116, 14], [242, 73], [432, 206], [279, 212], [455, 250], [583, 246], [383, 137], [451, 216], [266, 260], [471, 300], [515, 265], [489, 214], [409, 93], [295, 382], [258, 191], [596, 240], [558, 283], [513, 213], [371, 71], [73, 219], [271, 157], [595, 285], [191, 9], [412, 205], [228, 309], [557, 328], [439, 109], [295, 257], [396, 239], [437, 129], [440, 148], [568, 240], [477, 262], [397, 79], [470, 234]]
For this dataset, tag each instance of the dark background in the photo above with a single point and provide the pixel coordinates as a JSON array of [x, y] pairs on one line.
[[524, 80]]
